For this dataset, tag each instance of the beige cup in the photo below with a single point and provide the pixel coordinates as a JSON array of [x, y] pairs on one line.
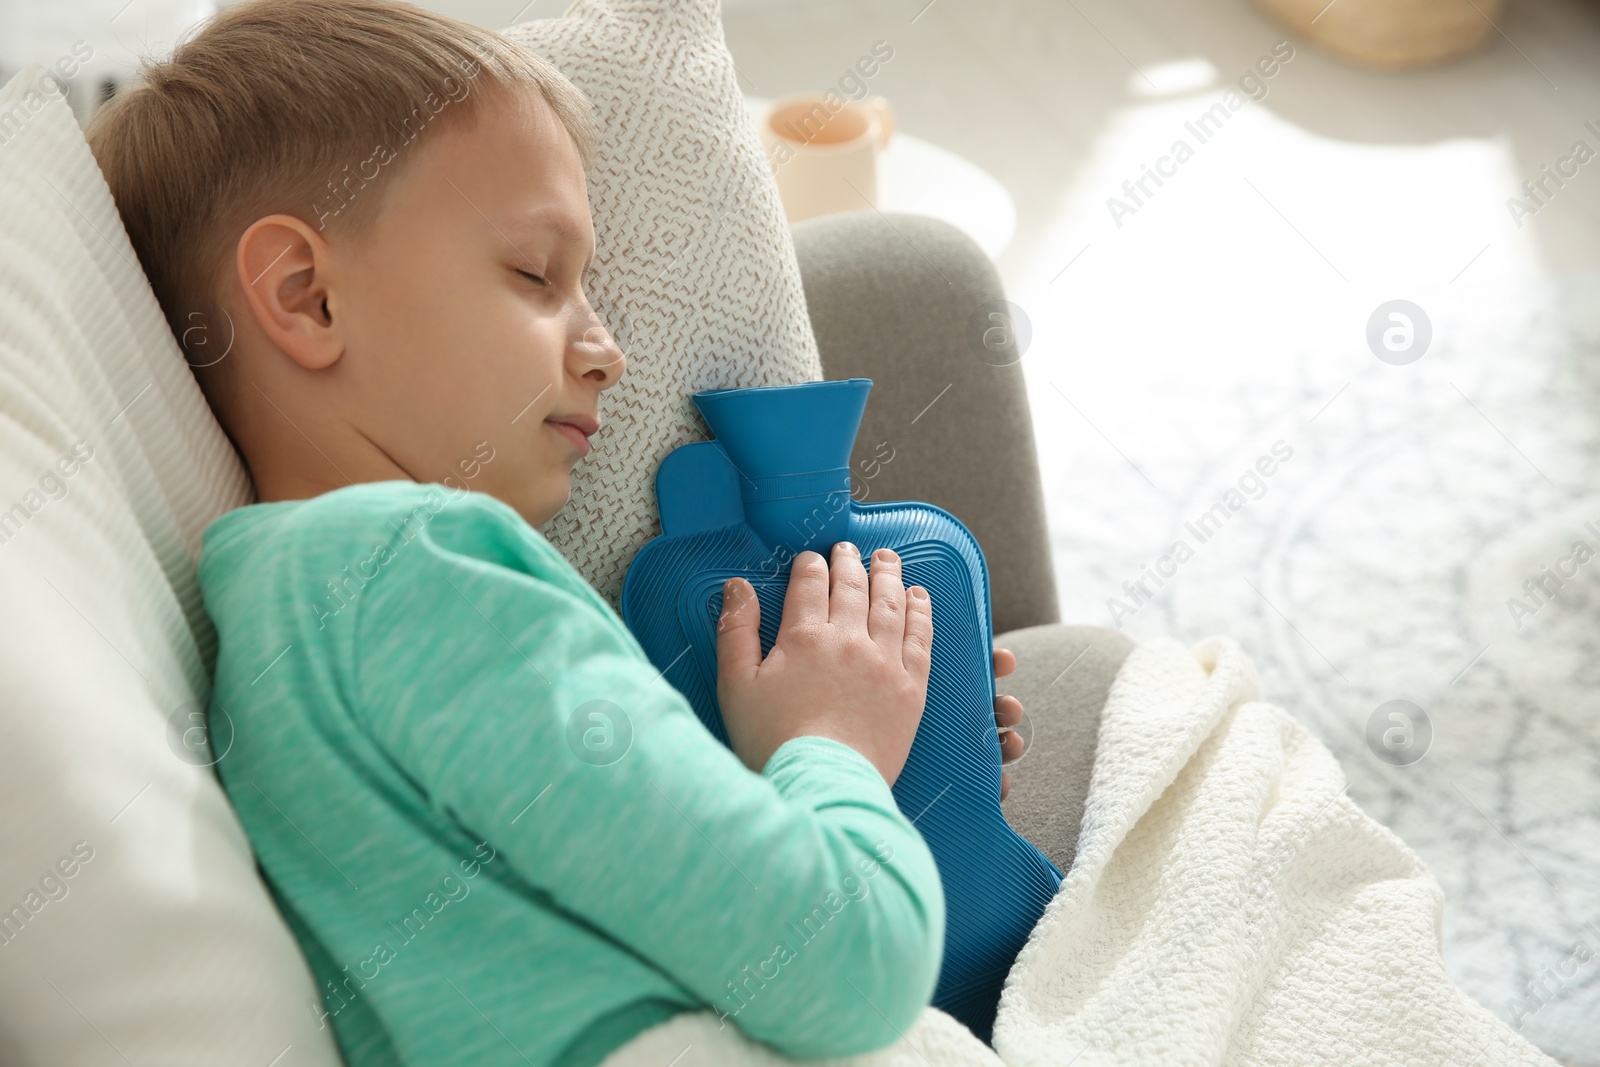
[[824, 160]]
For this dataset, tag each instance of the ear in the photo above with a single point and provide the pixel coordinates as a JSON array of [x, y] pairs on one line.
[[285, 272]]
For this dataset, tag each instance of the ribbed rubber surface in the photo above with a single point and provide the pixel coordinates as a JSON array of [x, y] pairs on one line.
[[996, 884]]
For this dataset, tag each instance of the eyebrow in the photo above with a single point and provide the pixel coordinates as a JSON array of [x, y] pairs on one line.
[[561, 225]]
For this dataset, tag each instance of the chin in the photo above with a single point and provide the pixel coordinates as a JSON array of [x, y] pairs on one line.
[[546, 505], [537, 499]]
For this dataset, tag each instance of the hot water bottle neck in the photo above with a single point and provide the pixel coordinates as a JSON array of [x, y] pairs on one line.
[[776, 482]]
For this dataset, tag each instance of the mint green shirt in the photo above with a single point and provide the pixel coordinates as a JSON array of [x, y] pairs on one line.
[[500, 836]]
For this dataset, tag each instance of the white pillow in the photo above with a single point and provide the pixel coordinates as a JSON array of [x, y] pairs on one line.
[[134, 926], [690, 239]]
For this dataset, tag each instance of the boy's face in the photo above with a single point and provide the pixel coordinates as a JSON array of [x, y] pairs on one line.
[[457, 331]]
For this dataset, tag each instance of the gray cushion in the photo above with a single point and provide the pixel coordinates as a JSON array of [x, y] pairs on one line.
[[1062, 677], [892, 297]]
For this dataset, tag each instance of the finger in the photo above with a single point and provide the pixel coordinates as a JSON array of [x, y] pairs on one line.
[[1010, 746], [1007, 710], [738, 631], [886, 619], [847, 594], [1005, 661], [1005, 784], [916, 651], [805, 603]]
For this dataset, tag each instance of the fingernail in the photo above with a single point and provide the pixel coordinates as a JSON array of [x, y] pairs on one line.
[[918, 592]]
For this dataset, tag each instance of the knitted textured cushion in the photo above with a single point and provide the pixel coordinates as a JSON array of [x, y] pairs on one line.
[[690, 243], [133, 924]]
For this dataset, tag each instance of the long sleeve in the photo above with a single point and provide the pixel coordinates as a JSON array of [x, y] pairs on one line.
[[798, 901]]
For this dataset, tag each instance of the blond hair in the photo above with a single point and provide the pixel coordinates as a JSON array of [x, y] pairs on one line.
[[293, 107]]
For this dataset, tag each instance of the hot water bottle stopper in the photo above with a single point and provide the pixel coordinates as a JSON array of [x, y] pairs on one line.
[[776, 482]]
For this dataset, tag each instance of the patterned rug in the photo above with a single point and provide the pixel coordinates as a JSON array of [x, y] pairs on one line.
[[1419, 582]]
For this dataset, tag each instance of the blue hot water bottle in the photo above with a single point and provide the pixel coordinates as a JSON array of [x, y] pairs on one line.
[[775, 482]]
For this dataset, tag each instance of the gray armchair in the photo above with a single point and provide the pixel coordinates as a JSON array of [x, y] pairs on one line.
[[891, 297]]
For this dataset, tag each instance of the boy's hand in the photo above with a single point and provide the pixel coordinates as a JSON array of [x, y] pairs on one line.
[[849, 662], [1007, 713]]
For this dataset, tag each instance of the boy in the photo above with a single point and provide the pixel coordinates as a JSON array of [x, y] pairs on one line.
[[497, 834]]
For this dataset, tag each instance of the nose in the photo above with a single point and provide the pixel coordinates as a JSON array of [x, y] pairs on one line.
[[594, 354]]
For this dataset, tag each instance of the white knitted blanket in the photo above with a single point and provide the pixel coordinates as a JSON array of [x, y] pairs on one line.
[[1228, 904]]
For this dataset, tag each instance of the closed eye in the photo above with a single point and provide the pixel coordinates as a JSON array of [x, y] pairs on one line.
[[532, 277]]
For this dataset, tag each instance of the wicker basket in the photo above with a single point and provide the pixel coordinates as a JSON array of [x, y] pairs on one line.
[[1390, 33]]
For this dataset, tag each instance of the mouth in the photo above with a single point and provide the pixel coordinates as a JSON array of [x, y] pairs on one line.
[[576, 429]]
